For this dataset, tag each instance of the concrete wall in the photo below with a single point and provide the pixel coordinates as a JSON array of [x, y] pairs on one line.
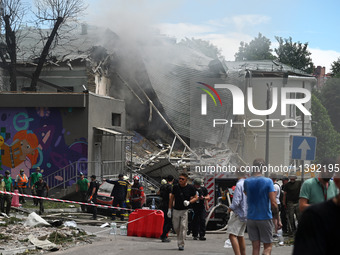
[[53, 130], [279, 137], [49, 137]]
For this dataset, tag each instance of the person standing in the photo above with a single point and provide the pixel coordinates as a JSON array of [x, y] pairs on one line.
[[41, 189], [319, 189], [2, 188], [82, 187], [291, 201], [181, 197], [92, 195], [200, 207], [283, 211], [118, 193], [261, 203], [21, 183], [238, 219], [34, 177], [8, 188], [276, 215], [164, 192], [318, 229], [137, 195]]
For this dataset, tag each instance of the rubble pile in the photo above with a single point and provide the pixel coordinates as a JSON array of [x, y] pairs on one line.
[[16, 238]]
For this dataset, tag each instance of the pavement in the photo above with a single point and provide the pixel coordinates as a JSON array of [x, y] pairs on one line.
[[105, 243]]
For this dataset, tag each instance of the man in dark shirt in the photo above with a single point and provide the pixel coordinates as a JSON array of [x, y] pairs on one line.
[[181, 197], [92, 195], [119, 192], [318, 229], [291, 201], [40, 188], [164, 193], [198, 223]]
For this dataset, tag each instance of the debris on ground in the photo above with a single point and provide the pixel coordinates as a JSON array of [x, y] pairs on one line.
[[31, 235]]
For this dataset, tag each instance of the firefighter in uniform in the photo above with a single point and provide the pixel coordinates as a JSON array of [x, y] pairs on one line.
[[118, 193], [21, 183], [137, 197]]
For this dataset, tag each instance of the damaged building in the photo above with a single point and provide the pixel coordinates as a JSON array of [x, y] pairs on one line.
[[156, 88]]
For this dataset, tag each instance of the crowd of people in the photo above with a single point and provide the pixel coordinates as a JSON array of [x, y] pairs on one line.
[[23, 184]]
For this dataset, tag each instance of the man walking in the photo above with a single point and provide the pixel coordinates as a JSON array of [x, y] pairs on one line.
[[82, 187], [291, 201], [238, 218], [165, 192], [198, 223], [21, 182], [318, 229], [92, 195], [33, 179], [181, 197], [261, 203], [283, 211], [118, 193], [41, 189], [319, 189]]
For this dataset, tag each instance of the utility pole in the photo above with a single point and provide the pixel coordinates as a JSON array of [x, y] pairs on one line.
[[269, 88], [303, 133]]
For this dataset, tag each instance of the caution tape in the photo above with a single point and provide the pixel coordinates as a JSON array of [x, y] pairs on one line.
[[65, 201]]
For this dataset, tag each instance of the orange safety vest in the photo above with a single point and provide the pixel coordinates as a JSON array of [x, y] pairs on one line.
[[22, 181]]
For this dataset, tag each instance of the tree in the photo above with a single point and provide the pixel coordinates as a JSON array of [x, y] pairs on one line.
[[257, 49], [328, 138], [12, 13], [294, 54], [330, 95], [335, 67], [203, 46], [55, 13]]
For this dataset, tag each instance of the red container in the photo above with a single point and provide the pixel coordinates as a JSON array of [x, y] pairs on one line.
[[146, 223]]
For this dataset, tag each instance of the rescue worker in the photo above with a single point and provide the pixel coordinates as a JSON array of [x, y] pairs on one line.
[[82, 187], [164, 192], [200, 207], [33, 179], [8, 188], [137, 194], [92, 195], [118, 193], [21, 182], [40, 187]]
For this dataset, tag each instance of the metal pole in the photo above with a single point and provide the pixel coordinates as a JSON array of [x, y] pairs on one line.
[[303, 133], [267, 127]]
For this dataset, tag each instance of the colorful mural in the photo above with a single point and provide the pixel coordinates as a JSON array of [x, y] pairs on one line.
[[32, 137]]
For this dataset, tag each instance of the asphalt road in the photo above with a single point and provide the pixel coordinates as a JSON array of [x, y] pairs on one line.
[[104, 243]]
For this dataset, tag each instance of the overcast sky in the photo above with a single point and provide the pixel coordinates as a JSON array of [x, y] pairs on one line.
[[226, 23]]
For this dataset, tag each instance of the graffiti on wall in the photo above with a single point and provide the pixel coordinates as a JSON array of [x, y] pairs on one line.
[[32, 137]]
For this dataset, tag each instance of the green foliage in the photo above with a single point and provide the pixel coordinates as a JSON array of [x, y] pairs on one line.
[[328, 139], [203, 46], [257, 49], [335, 68], [294, 54], [330, 95]]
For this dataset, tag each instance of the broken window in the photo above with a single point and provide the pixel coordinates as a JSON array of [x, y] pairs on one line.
[[116, 119]]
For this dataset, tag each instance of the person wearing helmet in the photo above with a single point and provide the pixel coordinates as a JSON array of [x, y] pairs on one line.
[[118, 193], [33, 179], [137, 194], [21, 182]]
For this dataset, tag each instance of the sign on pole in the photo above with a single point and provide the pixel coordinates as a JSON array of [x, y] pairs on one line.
[[303, 147]]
